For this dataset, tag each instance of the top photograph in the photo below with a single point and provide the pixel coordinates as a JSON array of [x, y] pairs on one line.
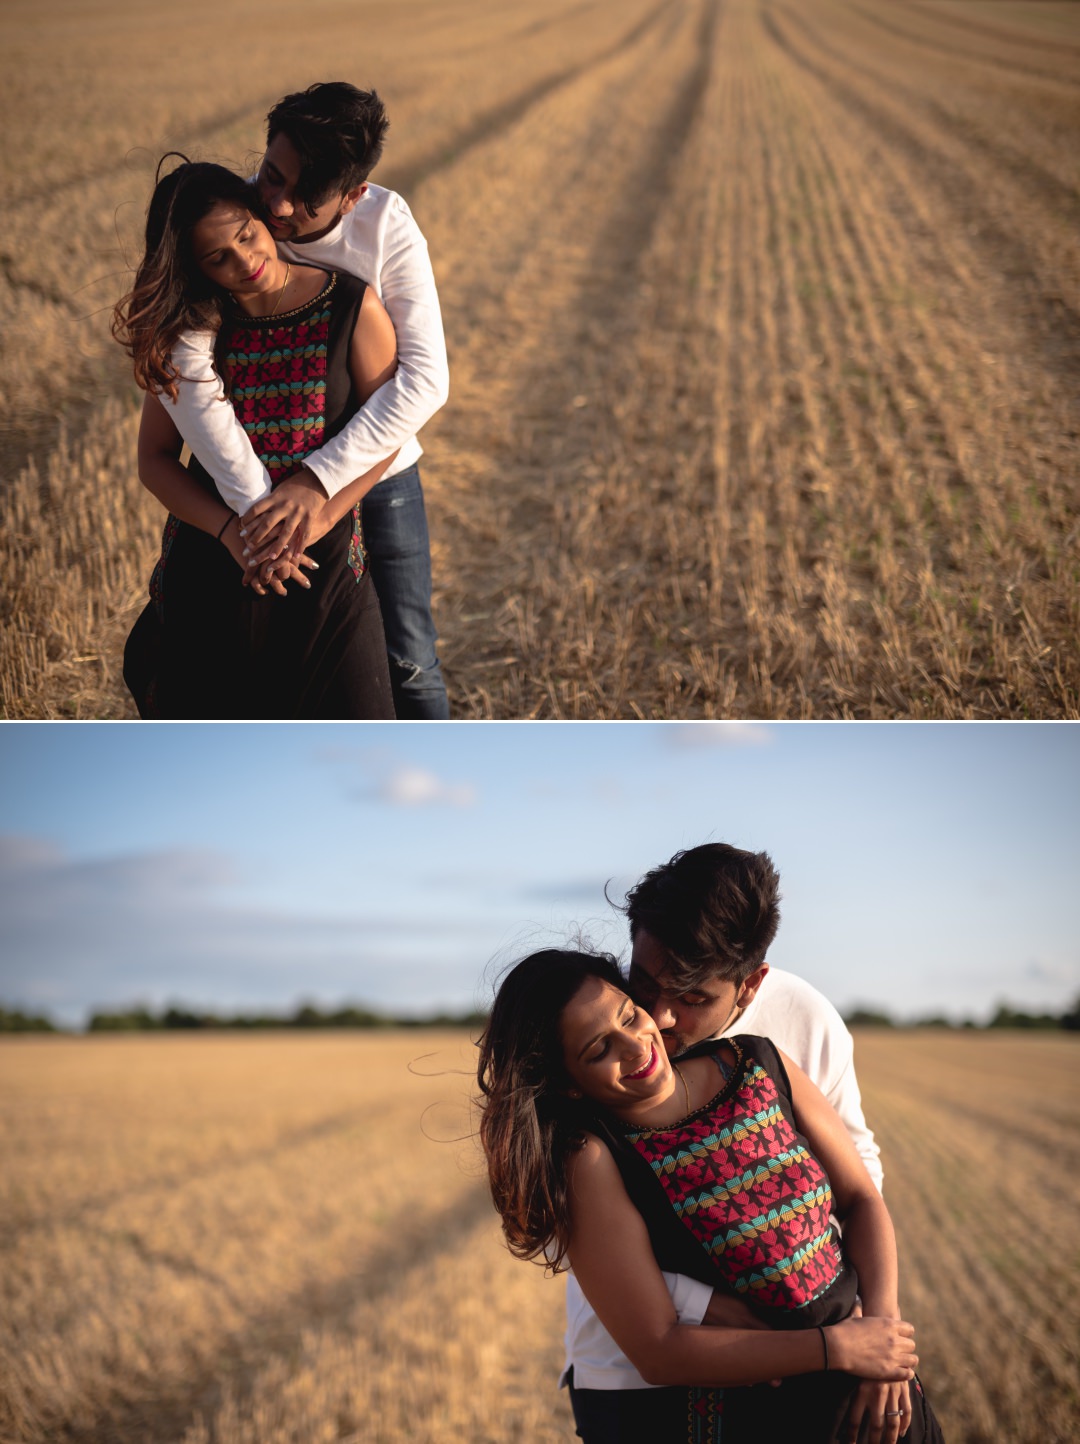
[[637, 359]]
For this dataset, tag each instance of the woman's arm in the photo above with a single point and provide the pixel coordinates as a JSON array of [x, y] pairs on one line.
[[869, 1239], [160, 472], [614, 1263], [869, 1242]]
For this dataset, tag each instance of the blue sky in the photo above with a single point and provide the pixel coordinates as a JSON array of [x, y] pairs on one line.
[[926, 867]]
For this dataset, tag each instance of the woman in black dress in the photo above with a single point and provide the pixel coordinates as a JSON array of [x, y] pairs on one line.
[[298, 350], [726, 1166]]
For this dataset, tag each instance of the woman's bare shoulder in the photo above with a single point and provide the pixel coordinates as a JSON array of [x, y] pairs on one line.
[[591, 1159]]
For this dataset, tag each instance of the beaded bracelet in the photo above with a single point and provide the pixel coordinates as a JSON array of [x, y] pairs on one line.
[[824, 1345]]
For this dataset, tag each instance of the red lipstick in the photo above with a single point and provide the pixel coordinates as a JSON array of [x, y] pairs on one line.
[[648, 1068]]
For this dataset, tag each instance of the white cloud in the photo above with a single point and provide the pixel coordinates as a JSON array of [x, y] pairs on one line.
[[393, 781], [415, 787], [694, 735]]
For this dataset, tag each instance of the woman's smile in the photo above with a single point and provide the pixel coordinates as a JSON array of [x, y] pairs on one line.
[[612, 1051], [247, 280], [647, 1070]]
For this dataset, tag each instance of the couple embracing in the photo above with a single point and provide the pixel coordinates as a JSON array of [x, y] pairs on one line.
[[691, 1142], [287, 330]]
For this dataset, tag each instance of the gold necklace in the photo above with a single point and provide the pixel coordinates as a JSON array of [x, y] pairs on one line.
[[277, 303], [685, 1089]]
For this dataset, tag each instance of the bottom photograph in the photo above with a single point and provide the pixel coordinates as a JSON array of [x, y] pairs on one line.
[[539, 1081]]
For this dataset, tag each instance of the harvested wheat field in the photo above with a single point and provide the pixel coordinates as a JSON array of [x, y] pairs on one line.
[[764, 326], [286, 1240]]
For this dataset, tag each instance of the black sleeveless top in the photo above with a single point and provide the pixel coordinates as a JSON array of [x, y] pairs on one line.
[[287, 376], [733, 1196]]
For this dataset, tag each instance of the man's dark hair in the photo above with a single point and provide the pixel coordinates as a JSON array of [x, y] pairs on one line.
[[338, 133], [714, 910]]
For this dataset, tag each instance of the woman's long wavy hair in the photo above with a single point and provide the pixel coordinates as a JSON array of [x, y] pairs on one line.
[[171, 295], [528, 1124]]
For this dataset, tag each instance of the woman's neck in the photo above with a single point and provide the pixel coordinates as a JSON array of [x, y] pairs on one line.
[[694, 1083], [272, 300], [298, 285]]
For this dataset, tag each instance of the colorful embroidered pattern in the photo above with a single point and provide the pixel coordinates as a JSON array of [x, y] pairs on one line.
[[278, 380], [157, 576], [357, 554], [750, 1193], [277, 374], [705, 1409]]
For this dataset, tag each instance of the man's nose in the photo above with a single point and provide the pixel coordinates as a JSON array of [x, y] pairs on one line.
[[663, 1014], [280, 205]]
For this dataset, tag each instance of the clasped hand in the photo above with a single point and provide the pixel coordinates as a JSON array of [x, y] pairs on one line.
[[276, 530], [886, 1409], [286, 519]]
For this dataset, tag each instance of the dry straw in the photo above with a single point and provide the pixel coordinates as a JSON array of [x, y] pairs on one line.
[[764, 330]]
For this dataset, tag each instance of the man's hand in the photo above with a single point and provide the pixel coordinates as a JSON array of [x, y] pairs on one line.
[[283, 519]]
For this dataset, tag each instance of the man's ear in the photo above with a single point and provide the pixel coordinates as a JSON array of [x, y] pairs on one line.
[[750, 985], [350, 198]]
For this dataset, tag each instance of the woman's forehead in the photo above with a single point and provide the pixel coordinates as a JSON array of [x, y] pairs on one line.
[[597, 1001], [220, 224]]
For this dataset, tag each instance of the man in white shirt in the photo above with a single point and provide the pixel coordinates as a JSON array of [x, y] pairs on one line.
[[322, 144], [701, 926]]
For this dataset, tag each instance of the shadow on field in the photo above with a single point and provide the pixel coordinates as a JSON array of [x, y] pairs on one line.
[[489, 123], [1050, 322], [412, 1245], [606, 323]]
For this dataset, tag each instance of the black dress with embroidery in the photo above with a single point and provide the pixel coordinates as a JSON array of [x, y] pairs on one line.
[[207, 647], [733, 1195]]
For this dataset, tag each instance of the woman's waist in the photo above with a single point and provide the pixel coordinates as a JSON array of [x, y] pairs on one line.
[[834, 1301]]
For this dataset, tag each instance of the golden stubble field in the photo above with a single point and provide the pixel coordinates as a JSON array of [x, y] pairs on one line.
[[764, 321], [287, 1240]]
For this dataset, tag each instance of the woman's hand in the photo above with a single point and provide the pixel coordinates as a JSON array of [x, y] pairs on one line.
[[284, 518], [285, 568], [272, 576], [885, 1407], [874, 1349]]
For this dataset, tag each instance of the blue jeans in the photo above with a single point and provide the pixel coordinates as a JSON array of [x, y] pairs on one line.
[[399, 558]]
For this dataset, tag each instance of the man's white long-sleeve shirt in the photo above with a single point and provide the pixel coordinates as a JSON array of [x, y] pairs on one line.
[[379, 241], [804, 1025]]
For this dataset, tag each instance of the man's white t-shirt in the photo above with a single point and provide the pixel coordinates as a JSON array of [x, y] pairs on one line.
[[804, 1025], [379, 241]]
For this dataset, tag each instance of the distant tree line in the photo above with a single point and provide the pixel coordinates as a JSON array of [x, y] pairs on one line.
[[142, 1020], [1004, 1017], [12, 1021]]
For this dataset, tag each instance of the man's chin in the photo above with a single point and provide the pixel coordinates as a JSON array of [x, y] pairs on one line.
[[674, 1044]]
